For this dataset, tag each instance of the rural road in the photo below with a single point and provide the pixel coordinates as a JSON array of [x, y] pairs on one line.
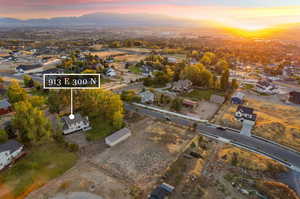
[[276, 152]]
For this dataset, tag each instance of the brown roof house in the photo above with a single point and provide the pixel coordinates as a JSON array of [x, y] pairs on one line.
[[294, 97]]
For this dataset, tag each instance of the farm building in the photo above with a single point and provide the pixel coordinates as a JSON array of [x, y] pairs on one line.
[[118, 137]]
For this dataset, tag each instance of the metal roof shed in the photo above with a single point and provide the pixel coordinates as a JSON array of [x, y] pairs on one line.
[[118, 137]]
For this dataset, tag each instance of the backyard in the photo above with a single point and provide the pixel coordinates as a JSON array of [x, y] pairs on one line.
[[203, 94], [41, 164]]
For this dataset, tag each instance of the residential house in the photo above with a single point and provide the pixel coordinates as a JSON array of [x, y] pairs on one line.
[[147, 97], [110, 72], [172, 60], [34, 68], [146, 70], [238, 98], [161, 192], [9, 151], [294, 97], [266, 87], [5, 107], [217, 99], [245, 113], [182, 86], [118, 137], [79, 123]]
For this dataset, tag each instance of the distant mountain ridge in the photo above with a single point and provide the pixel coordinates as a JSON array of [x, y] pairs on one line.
[[100, 20]]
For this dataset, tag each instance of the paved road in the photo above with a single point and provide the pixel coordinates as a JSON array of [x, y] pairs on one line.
[[283, 155]]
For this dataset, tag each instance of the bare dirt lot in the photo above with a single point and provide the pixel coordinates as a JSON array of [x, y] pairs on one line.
[[128, 170], [145, 155]]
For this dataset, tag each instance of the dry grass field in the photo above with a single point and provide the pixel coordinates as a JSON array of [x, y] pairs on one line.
[[130, 58], [280, 123], [248, 160], [107, 53]]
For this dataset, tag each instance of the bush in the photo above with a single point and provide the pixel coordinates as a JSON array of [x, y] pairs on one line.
[[3, 136], [73, 147]]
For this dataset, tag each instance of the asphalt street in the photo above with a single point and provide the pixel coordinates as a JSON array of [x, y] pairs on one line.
[[285, 156]]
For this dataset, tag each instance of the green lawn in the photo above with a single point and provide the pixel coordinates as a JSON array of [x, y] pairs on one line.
[[135, 69], [204, 94], [100, 129], [40, 165]]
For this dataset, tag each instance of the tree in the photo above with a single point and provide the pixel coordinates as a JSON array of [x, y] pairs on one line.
[[234, 84], [37, 101], [176, 104], [31, 123], [221, 66], [16, 93], [197, 74], [225, 80], [98, 102], [130, 96], [3, 136], [117, 120], [28, 82]]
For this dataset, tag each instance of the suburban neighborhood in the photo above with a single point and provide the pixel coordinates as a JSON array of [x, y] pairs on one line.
[[172, 112]]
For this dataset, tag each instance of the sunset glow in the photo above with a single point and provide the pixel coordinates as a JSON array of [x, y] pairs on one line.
[[248, 15]]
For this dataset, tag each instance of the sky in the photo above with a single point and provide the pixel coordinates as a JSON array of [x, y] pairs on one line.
[[247, 14]]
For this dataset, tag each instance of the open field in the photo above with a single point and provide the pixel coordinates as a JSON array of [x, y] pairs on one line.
[[248, 160], [130, 58], [107, 53], [40, 165], [146, 154], [202, 94]]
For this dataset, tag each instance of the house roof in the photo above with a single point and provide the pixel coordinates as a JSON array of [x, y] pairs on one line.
[[28, 67], [117, 135], [77, 118], [245, 109], [4, 104], [217, 99], [147, 95], [295, 94], [239, 95], [10, 145], [159, 193]]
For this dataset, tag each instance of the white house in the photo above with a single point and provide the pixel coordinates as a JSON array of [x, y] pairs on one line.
[[110, 72], [79, 123], [266, 87], [118, 137], [9, 151], [147, 97]]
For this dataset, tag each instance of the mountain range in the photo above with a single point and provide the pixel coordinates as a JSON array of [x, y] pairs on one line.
[[100, 20]]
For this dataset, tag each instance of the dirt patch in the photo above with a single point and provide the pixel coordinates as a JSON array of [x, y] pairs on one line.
[[146, 154]]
